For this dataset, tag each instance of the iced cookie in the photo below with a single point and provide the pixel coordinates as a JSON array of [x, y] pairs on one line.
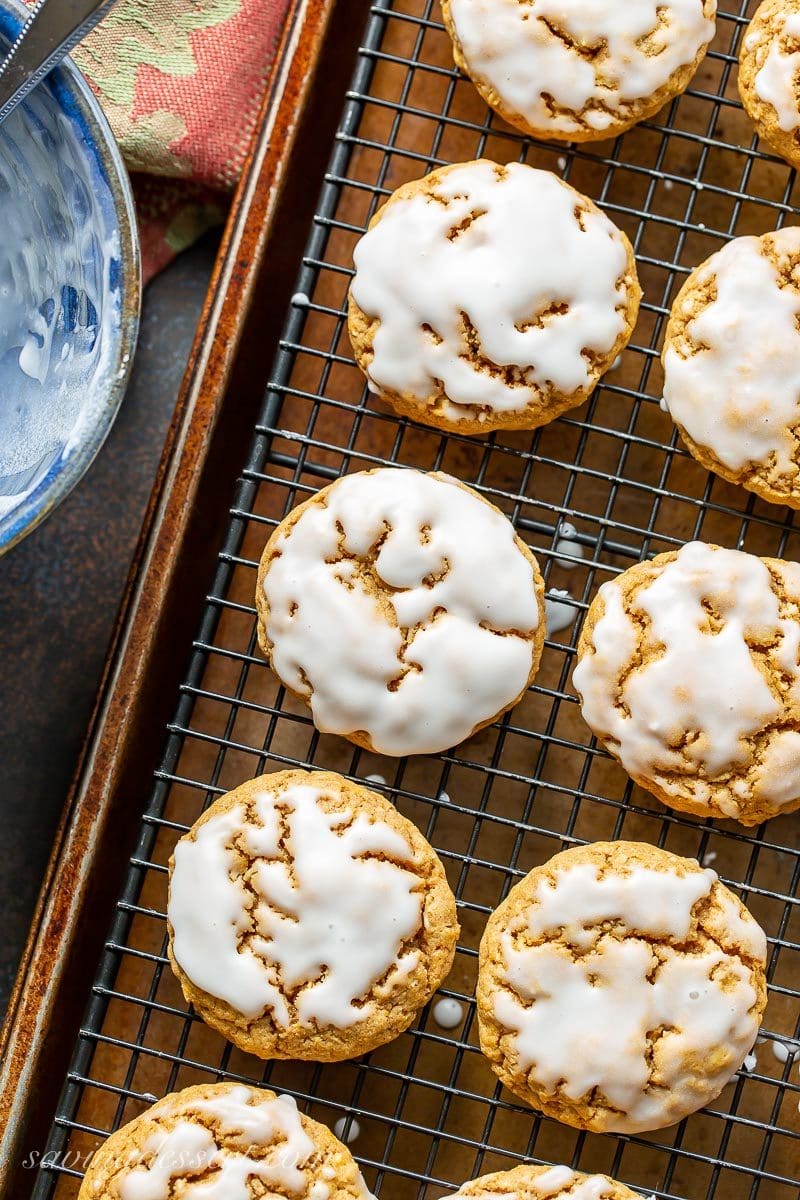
[[732, 364], [574, 71], [490, 297], [223, 1141], [307, 918], [769, 76], [529, 1182], [688, 674], [402, 608], [620, 987]]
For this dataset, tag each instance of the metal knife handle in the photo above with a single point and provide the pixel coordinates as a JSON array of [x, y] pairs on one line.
[[53, 28]]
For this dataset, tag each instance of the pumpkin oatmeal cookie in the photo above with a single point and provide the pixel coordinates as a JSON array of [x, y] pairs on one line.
[[490, 297], [688, 674], [769, 76], [578, 72], [402, 608], [732, 364], [307, 918], [223, 1140], [529, 1182], [620, 987]]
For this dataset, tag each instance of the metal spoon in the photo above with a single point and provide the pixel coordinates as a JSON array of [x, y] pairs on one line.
[[53, 28]]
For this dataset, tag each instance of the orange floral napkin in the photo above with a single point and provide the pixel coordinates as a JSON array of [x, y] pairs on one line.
[[181, 82]]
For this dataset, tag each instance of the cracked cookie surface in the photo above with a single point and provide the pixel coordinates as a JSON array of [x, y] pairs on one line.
[[307, 918], [402, 608], [620, 987], [223, 1141], [688, 674], [732, 364], [573, 71], [529, 1182], [769, 76], [489, 297]]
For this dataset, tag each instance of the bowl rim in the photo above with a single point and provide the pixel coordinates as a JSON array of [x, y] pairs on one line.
[[99, 141]]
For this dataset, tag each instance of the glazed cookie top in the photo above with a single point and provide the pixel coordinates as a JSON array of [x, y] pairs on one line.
[[490, 283], [401, 606], [309, 899], [223, 1142], [772, 45], [530, 1182], [688, 671], [624, 983], [732, 356], [569, 67]]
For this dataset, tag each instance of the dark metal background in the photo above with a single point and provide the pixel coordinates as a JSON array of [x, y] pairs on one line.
[[429, 1110]]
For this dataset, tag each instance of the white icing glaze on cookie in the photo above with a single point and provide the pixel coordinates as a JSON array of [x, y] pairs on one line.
[[190, 1148], [745, 931], [186, 1150], [511, 46], [703, 686], [779, 772], [739, 393], [462, 592], [550, 1183], [582, 1019], [554, 1180], [504, 249], [658, 903], [777, 81], [559, 1179], [331, 923]]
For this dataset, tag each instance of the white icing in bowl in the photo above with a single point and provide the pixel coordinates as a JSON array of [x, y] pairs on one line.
[[69, 291]]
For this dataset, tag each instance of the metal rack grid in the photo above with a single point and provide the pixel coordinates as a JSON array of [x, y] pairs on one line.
[[430, 1112]]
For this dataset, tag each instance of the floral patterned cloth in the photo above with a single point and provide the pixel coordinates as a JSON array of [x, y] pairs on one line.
[[181, 82]]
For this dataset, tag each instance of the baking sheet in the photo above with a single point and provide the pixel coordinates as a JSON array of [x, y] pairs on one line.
[[430, 1111]]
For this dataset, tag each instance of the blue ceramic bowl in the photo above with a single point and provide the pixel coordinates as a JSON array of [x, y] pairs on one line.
[[69, 291]]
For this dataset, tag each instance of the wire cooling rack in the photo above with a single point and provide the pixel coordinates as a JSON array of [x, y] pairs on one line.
[[426, 1109]]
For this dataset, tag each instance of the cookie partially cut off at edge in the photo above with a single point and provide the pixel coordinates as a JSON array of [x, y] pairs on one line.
[[402, 608], [529, 1182], [689, 674], [220, 1135], [769, 76], [490, 296], [620, 987], [732, 364], [569, 71], [307, 918]]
